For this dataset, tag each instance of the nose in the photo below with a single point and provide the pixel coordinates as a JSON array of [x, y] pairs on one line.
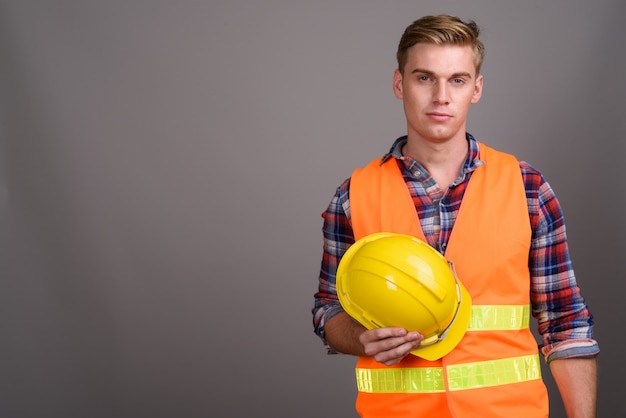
[[441, 93]]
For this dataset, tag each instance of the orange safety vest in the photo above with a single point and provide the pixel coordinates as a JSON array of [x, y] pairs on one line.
[[495, 370]]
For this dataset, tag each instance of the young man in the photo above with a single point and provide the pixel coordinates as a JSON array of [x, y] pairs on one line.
[[495, 218]]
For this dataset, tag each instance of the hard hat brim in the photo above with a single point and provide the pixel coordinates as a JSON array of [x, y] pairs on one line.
[[454, 334]]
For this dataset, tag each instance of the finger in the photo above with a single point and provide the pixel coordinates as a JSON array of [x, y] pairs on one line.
[[382, 333], [396, 346], [396, 354]]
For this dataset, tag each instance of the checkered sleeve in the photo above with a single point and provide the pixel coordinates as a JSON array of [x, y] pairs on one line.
[[565, 322], [338, 236]]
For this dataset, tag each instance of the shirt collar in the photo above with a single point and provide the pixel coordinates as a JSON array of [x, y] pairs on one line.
[[471, 163]]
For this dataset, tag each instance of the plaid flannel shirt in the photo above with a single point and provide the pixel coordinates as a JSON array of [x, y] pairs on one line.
[[565, 322]]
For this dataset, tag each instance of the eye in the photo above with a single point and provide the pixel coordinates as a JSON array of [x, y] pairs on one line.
[[458, 81]]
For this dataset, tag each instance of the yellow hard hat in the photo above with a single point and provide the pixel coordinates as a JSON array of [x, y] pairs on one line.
[[395, 280]]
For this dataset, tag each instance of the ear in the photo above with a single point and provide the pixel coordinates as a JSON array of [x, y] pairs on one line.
[[397, 84], [478, 89]]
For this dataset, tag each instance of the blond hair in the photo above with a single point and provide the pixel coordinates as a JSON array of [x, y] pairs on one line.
[[441, 30]]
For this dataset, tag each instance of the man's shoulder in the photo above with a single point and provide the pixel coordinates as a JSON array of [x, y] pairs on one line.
[[525, 166], [528, 168]]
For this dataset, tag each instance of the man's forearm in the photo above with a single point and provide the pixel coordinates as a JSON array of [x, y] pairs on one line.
[[577, 381], [342, 333]]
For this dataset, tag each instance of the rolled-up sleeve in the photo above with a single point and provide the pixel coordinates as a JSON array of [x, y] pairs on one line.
[[565, 322], [338, 236]]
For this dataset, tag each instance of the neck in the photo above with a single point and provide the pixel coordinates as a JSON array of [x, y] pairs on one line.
[[442, 160]]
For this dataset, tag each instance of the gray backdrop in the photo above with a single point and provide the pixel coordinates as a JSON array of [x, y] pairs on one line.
[[164, 166]]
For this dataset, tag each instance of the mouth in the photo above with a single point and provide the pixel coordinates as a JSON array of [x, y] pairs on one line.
[[440, 117]]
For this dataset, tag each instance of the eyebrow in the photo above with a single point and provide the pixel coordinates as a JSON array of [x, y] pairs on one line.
[[455, 75]]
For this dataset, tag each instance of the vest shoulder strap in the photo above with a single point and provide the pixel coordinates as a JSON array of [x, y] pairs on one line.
[[371, 190]]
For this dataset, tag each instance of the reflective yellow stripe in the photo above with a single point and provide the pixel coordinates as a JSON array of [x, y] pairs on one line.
[[417, 380], [494, 372], [460, 377], [499, 317]]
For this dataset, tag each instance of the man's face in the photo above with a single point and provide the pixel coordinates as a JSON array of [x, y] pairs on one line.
[[438, 86]]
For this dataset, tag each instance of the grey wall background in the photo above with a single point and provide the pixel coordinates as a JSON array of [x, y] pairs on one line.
[[165, 164]]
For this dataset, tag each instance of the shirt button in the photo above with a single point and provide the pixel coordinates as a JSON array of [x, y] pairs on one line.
[[417, 173]]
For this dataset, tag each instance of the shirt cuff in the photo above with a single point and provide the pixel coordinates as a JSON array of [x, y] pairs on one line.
[[584, 348], [330, 312]]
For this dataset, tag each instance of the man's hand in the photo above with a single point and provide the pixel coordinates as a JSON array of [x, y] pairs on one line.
[[386, 345], [389, 345]]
